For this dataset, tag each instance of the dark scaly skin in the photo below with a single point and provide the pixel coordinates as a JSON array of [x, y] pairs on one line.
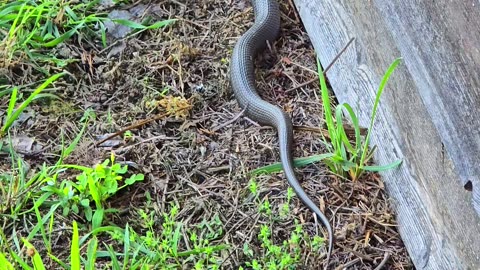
[[266, 28]]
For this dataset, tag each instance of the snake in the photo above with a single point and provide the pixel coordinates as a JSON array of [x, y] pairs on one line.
[[265, 29]]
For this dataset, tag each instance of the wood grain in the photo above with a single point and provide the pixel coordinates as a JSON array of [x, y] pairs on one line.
[[428, 115]]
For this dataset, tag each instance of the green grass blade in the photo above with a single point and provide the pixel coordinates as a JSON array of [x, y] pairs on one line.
[[6, 92], [347, 165], [71, 13], [103, 31], [135, 25], [383, 167], [38, 13], [91, 254], [16, 243], [202, 250], [298, 162], [161, 24], [13, 27], [6, 264], [42, 230], [36, 259], [343, 138], [113, 257], [126, 247], [92, 4], [365, 152], [375, 106], [14, 115], [135, 254], [46, 95], [76, 167], [20, 261], [63, 37], [130, 24], [57, 260], [39, 225], [38, 202], [68, 150], [111, 229], [13, 101], [356, 125], [9, 9], [50, 229], [326, 104], [176, 237], [75, 249], [98, 218]]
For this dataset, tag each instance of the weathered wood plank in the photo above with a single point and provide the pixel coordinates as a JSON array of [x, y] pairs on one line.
[[428, 115]]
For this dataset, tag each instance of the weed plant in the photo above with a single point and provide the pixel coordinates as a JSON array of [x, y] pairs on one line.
[[278, 254], [86, 198]]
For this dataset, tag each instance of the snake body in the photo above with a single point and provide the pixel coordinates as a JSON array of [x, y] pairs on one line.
[[266, 28]]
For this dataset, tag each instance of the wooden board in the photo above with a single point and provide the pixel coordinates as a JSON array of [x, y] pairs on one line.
[[428, 115]]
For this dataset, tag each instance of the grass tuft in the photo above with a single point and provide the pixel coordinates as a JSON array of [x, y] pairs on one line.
[[34, 26], [344, 156], [351, 157], [13, 114]]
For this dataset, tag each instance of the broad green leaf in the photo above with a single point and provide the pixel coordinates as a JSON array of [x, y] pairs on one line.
[[85, 202], [134, 178]]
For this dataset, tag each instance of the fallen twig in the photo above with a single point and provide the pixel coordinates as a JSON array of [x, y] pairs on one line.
[[137, 125]]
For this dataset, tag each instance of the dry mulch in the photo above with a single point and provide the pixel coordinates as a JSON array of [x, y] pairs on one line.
[[201, 162]]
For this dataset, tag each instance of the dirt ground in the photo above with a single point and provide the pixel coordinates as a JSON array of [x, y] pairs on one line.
[[201, 162]]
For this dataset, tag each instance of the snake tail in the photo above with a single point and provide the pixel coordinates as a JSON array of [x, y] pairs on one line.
[[242, 76]]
